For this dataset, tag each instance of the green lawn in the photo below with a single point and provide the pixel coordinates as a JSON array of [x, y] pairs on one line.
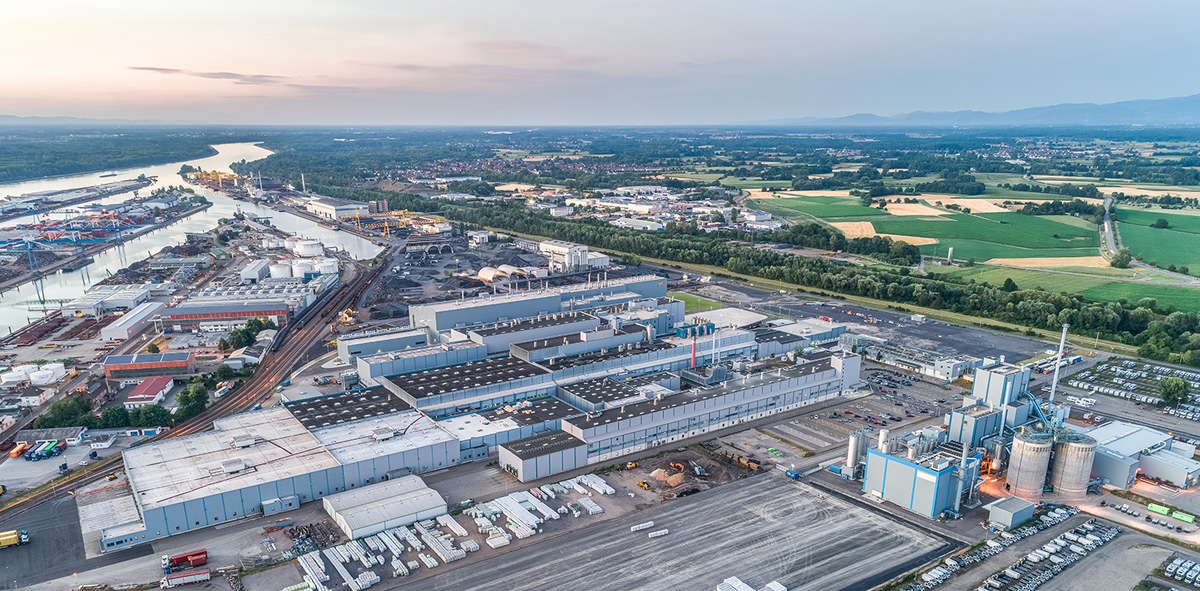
[[995, 235], [826, 208], [1178, 244], [754, 183], [693, 303], [1094, 287]]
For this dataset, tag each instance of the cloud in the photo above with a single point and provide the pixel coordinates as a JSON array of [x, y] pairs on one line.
[[253, 79]]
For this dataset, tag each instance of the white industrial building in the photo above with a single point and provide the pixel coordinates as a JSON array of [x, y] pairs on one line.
[[1126, 450], [102, 299], [131, 323], [398, 502], [256, 271], [636, 224], [336, 209], [565, 257]]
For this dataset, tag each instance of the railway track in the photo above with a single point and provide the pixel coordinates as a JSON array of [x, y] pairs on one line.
[[254, 391]]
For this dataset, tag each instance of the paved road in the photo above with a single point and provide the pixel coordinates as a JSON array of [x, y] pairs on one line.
[[55, 548], [762, 529]]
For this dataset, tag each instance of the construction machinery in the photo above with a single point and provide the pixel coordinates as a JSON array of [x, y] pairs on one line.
[[631, 465], [347, 317], [643, 485], [678, 466]]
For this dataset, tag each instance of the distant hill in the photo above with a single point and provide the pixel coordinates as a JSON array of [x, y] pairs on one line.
[[80, 121], [1145, 112]]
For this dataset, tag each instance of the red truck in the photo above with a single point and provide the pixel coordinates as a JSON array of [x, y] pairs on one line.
[[190, 559]]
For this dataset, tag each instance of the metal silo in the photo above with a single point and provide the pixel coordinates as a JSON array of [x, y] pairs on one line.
[[1073, 457], [1028, 464]]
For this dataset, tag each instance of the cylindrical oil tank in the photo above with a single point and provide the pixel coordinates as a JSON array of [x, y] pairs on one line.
[[1028, 464], [852, 451], [280, 270], [327, 266], [1073, 458], [308, 248], [290, 242], [301, 267]]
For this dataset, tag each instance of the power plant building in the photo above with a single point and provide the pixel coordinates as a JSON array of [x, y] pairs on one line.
[[921, 472], [1124, 449]]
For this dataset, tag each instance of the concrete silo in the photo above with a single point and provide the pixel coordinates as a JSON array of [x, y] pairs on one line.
[[1028, 464], [1073, 457]]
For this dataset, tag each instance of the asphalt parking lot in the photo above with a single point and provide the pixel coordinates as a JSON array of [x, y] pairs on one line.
[[759, 529]]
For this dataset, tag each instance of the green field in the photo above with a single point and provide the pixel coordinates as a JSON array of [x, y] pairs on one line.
[[754, 183], [1097, 286], [995, 235], [693, 303], [1178, 244], [832, 209]]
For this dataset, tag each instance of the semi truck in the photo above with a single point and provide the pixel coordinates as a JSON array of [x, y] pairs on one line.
[[13, 538], [190, 559], [184, 578]]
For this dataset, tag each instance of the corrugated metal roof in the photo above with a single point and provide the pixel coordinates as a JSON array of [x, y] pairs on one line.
[[404, 507], [376, 492]]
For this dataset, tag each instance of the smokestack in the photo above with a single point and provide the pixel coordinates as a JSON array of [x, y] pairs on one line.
[[1062, 345]]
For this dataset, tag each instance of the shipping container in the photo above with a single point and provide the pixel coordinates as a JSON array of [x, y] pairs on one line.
[[185, 578], [18, 450], [13, 538]]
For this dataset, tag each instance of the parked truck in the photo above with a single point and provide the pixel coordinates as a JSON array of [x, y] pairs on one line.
[[190, 559], [13, 538], [184, 578], [794, 475]]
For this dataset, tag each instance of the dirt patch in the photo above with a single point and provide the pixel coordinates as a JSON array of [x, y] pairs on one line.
[[913, 240], [855, 229], [514, 187], [975, 205], [913, 209], [1042, 262]]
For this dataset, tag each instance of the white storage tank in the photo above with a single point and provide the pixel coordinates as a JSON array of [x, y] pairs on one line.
[[290, 242], [41, 377], [302, 266], [1028, 465], [308, 248], [280, 270], [327, 266], [1073, 458]]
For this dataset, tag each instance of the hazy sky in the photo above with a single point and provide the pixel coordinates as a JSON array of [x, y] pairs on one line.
[[576, 61]]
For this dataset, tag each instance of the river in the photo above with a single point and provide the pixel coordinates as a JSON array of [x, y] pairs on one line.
[[16, 304]]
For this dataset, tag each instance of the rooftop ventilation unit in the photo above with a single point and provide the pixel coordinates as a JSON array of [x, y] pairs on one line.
[[382, 433], [233, 466]]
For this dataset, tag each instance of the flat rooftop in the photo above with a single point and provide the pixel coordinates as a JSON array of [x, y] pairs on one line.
[[769, 335], [146, 358], [335, 409], [419, 351], [601, 390], [588, 358], [501, 420], [697, 395], [548, 320], [561, 285], [1127, 439], [382, 435], [433, 382], [231, 306], [723, 317], [542, 444], [572, 338], [193, 467]]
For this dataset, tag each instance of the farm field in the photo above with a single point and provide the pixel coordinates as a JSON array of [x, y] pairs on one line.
[[1178, 244], [754, 183], [996, 235], [1092, 286], [831, 208]]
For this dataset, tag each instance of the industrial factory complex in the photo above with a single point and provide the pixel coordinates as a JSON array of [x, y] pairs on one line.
[[546, 381]]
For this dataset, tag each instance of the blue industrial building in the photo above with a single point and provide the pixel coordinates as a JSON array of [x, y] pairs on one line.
[[921, 472]]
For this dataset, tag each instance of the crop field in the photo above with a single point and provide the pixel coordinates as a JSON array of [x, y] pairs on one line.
[[996, 235], [754, 183], [826, 208], [1178, 244], [1102, 285]]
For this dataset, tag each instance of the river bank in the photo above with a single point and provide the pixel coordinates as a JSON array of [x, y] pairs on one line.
[[94, 249]]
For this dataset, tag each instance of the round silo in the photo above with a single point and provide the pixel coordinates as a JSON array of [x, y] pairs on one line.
[[327, 266], [1073, 457], [280, 270], [302, 267], [1028, 464]]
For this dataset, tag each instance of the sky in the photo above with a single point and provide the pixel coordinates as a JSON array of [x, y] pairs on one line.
[[612, 62]]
